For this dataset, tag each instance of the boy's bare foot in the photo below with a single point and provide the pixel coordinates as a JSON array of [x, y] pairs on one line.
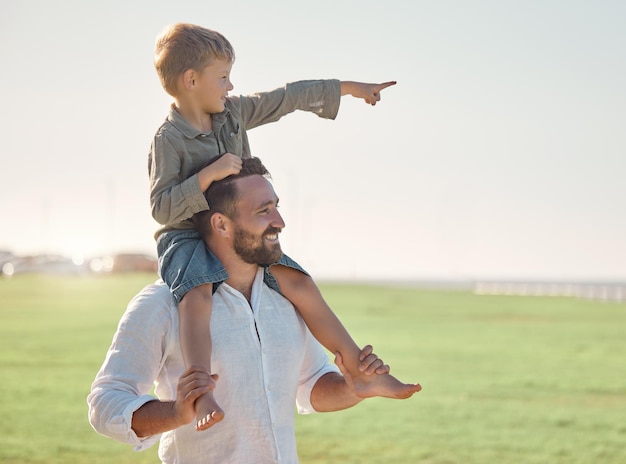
[[384, 385], [208, 412]]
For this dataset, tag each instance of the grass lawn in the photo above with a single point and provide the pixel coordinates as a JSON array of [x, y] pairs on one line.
[[506, 379]]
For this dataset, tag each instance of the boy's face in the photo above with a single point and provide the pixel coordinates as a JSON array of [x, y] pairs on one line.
[[213, 85]]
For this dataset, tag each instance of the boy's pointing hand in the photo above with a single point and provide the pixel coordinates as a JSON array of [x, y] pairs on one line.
[[368, 92]]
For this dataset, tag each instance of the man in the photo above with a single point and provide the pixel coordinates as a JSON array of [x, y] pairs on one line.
[[266, 358]]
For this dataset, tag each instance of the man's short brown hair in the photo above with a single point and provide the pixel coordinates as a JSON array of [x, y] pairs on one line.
[[223, 195]]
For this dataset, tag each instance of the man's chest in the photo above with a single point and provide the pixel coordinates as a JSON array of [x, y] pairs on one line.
[[266, 344]]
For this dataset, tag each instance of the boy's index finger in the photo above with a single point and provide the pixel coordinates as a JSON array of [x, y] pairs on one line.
[[384, 85]]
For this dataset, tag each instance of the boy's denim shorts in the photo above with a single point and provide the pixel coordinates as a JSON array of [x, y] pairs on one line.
[[186, 262]]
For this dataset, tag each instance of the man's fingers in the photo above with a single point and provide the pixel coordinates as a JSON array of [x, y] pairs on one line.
[[195, 382], [195, 393], [373, 365], [346, 375], [339, 363], [365, 352], [384, 369], [369, 361]]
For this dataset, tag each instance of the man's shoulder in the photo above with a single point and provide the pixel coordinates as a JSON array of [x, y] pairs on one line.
[[154, 298], [158, 287], [156, 290]]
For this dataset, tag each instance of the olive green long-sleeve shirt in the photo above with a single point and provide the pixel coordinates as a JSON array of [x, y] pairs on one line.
[[179, 150]]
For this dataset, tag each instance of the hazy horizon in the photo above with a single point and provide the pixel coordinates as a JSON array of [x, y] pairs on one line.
[[499, 153]]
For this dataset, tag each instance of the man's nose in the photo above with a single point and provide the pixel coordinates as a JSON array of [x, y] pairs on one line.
[[277, 220]]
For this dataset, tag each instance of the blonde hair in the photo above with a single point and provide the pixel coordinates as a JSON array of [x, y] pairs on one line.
[[180, 47]]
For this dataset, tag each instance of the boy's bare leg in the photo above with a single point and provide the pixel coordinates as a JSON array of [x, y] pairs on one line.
[[330, 332], [194, 313]]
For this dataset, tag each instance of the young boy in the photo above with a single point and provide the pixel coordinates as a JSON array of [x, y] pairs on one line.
[[203, 140]]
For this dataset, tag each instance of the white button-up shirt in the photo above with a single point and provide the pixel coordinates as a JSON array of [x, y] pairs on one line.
[[267, 360]]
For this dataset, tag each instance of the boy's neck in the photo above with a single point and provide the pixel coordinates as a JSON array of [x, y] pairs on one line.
[[194, 115]]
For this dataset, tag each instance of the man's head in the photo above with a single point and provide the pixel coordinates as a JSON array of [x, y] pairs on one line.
[[244, 213], [182, 47]]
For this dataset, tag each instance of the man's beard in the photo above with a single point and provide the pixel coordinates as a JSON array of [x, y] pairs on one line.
[[253, 250]]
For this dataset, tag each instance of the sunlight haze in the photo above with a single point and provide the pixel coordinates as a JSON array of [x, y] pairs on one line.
[[501, 151]]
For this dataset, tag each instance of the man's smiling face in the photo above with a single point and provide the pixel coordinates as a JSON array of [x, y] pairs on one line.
[[258, 222]]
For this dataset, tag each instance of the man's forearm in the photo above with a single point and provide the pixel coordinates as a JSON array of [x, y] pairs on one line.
[[331, 393], [155, 417]]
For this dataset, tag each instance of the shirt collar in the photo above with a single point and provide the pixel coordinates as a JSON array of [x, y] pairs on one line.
[[188, 130]]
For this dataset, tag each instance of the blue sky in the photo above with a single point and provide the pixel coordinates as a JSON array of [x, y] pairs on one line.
[[500, 152]]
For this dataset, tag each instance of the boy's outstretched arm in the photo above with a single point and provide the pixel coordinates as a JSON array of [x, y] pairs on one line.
[[368, 92]]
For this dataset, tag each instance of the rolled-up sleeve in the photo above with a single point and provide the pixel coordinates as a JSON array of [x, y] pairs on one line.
[[316, 364], [132, 363]]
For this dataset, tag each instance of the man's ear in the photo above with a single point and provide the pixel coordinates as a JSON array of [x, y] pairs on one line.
[[221, 224]]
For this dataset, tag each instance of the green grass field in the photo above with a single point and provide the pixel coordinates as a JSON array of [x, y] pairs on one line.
[[506, 379]]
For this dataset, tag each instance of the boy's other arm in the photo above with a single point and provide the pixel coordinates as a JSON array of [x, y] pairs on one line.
[[368, 92], [171, 200], [222, 167]]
